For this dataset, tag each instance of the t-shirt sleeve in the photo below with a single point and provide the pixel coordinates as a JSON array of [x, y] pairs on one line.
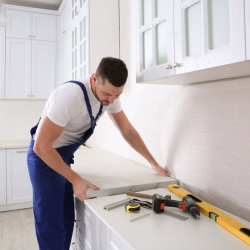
[[63, 107], [115, 107]]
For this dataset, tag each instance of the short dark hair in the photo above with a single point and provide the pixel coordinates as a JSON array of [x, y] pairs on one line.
[[114, 70]]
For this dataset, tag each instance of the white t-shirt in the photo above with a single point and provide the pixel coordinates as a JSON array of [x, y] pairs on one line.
[[67, 108]]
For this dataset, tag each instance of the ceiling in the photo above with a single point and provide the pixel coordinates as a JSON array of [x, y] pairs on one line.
[[43, 4]]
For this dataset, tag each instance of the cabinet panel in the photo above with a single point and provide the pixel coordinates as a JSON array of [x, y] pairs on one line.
[[43, 69], [65, 19], [2, 177], [208, 34], [2, 61], [43, 27], [18, 24], [155, 43], [18, 69], [19, 187]]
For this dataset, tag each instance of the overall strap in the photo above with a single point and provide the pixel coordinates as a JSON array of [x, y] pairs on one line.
[[93, 120]]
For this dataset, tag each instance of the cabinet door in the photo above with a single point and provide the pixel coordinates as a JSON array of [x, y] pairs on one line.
[[2, 177], [18, 24], [43, 69], [18, 69], [43, 27], [19, 187], [155, 43], [65, 19], [2, 61], [208, 33]]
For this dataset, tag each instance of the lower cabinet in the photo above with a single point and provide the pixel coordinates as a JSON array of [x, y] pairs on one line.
[[92, 233], [15, 185]]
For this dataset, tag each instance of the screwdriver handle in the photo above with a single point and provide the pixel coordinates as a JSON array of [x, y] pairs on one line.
[[139, 195]]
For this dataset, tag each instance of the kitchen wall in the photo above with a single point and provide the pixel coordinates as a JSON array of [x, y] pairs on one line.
[[200, 132], [17, 117]]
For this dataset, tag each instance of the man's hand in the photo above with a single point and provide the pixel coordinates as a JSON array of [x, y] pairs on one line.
[[80, 186], [159, 169]]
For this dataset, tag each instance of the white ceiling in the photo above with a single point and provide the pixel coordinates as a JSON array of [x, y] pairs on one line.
[[43, 4]]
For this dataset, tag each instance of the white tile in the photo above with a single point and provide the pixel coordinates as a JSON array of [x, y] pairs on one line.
[[180, 124], [204, 126], [243, 196], [205, 154], [243, 146], [170, 160], [219, 112], [177, 148], [185, 137], [179, 99], [235, 128], [161, 100], [151, 89], [243, 211], [220, 142], [190, 111], [228, 190], [204, 98], [220, 173], [168, 89], [243, 112], [234, 160], [243, 179], [234, 96], [182, 174], [192, 164], [198, 87], [243, 82], [168, 111], [150, 110], [205, 182]]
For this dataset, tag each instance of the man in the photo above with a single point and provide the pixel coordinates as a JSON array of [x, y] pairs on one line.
[[67, 121]]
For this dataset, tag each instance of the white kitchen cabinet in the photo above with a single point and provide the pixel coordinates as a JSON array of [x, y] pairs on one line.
[[30, 69], [19, 24], [208, 33], [2, 177], [43, 69], [65, 20], [43, 27], [155, 40], [247, 17], [2, 61], [19, 187], [18, 69]]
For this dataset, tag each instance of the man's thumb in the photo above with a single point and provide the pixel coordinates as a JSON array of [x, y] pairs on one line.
[[93, 186]]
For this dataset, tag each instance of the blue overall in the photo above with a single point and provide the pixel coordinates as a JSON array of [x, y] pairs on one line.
[[53, 201]]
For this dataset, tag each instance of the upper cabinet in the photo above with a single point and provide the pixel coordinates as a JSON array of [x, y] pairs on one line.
[[19, 24], [208, 33], [183, 36], [43, 27], [26, 25]]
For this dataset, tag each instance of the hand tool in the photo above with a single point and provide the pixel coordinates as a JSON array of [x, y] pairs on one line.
[[139, 217], [167, 197], [187, 204], [132, 207], [221, 218], [117, 204]]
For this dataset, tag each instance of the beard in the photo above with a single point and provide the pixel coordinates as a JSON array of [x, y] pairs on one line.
[[103, 102]]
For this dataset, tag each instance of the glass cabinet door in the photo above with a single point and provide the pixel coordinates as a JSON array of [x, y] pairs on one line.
[[208, 33], [79, 46], [155, 39]]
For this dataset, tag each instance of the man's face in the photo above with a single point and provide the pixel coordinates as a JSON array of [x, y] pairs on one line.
[[105, 92]]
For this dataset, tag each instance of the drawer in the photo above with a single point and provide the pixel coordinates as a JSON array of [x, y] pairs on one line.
[[82, 209], [114, 242]]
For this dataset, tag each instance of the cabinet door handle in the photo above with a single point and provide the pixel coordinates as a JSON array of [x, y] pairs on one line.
[[169, 66], [76, 221], [33, 96], [29, 36], [77, 13], [73, 245], [64, 31], [19, 152], [33, 36], [176, 65], [28, 95]]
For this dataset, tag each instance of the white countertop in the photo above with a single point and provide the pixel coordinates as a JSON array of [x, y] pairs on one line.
[[14, 144], [115, 174], [162, 232]]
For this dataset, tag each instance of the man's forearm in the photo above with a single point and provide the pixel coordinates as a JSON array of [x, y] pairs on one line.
[[135, 141], [53, 159]]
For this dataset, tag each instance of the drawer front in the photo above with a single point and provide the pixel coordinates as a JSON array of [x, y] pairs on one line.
[[114, 242], [82, 209], [84, 232]]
